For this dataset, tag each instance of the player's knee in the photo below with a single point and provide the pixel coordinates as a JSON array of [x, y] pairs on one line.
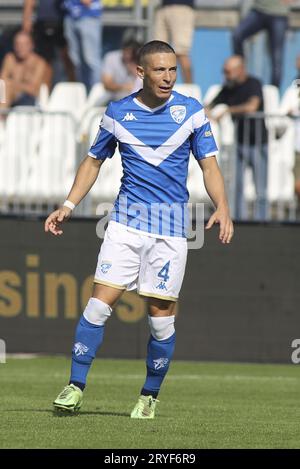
[[162, 327], [97, 312]]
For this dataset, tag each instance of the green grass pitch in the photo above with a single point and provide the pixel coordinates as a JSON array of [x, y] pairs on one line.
[[202, 405]]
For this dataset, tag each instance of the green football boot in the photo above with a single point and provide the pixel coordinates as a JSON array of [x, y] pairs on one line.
[[69, 400], [145, 408]]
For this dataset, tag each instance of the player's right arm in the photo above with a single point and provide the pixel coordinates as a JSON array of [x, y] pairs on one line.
[[86, 176], [103, 147]]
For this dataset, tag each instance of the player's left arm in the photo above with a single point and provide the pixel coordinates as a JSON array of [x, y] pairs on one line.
[[214, 184]]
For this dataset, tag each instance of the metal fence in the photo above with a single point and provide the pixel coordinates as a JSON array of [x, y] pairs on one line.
[[257, 157], [40, 151]]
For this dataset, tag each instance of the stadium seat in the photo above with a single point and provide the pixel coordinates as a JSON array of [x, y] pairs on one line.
[[2, 158], [289, 100], [211, 93], [68, 97], [189, 89], [97, 96], [271, 99], [271, 106], [195, 183], [19, 151], [86, 121], [54, 166], [281, 151], [43, 97]]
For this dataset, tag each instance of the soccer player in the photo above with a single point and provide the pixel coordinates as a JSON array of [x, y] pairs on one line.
[[156, 129]]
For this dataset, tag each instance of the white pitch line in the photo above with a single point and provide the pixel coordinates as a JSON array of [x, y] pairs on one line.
[[171, 377], [196, 377]]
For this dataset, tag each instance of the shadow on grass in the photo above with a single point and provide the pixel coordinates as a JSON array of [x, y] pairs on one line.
[[75, 414], [56, 413]]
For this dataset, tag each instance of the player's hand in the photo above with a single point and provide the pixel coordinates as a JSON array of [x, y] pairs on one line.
[[222, 217], [55, 220]]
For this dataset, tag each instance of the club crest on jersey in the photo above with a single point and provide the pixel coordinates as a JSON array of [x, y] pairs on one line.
[[105, 266], [178, 113]]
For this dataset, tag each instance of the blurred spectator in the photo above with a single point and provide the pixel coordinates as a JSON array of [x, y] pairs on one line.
[[297, 152], [272, 16], [47, 30], [242, 95], [298, 67], [174, 24], [295, 113], [83, 31], [23, 72], [119, 75]]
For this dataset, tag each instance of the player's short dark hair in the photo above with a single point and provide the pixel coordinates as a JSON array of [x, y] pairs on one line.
[[154, 47]]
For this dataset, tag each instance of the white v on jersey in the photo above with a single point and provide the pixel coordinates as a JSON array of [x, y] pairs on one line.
[[155, 146]]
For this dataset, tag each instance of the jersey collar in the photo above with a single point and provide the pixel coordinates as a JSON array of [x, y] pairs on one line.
[[152, 109]]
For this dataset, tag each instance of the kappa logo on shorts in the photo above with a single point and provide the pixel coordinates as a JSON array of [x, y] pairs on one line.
[[178, 113], [105, 266], [160, 363], [161, 286], [80, 349]]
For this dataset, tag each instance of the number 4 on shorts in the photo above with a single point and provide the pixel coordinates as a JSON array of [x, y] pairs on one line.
[[163, 273]]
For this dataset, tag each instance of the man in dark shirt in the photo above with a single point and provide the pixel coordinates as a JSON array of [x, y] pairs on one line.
[[46, 26], [243, 95], [174, 23]]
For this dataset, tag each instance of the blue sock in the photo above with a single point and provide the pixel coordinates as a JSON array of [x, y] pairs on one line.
[[88, 338], [159, 355]]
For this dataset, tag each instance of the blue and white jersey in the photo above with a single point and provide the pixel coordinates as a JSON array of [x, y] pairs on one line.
[[78, 10], [155, 146]]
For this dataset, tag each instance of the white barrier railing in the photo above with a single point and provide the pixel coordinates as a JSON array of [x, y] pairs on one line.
[[40, 151]]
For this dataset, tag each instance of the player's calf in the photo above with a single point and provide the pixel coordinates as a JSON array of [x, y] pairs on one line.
[[159, 354]]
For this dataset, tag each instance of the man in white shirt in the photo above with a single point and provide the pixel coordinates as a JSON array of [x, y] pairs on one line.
[[119, 75]]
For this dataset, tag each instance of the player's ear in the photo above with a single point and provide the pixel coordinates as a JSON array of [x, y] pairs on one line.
[[140, 72]]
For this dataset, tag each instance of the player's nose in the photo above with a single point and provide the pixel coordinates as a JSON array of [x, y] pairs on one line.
[[167, 77]]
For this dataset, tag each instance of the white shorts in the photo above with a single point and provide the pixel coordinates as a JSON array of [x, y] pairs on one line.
[[130, 260]]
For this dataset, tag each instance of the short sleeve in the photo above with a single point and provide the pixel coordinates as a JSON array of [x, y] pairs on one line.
[[108, 64], [105, 142], [255, 89], [203, 143]]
